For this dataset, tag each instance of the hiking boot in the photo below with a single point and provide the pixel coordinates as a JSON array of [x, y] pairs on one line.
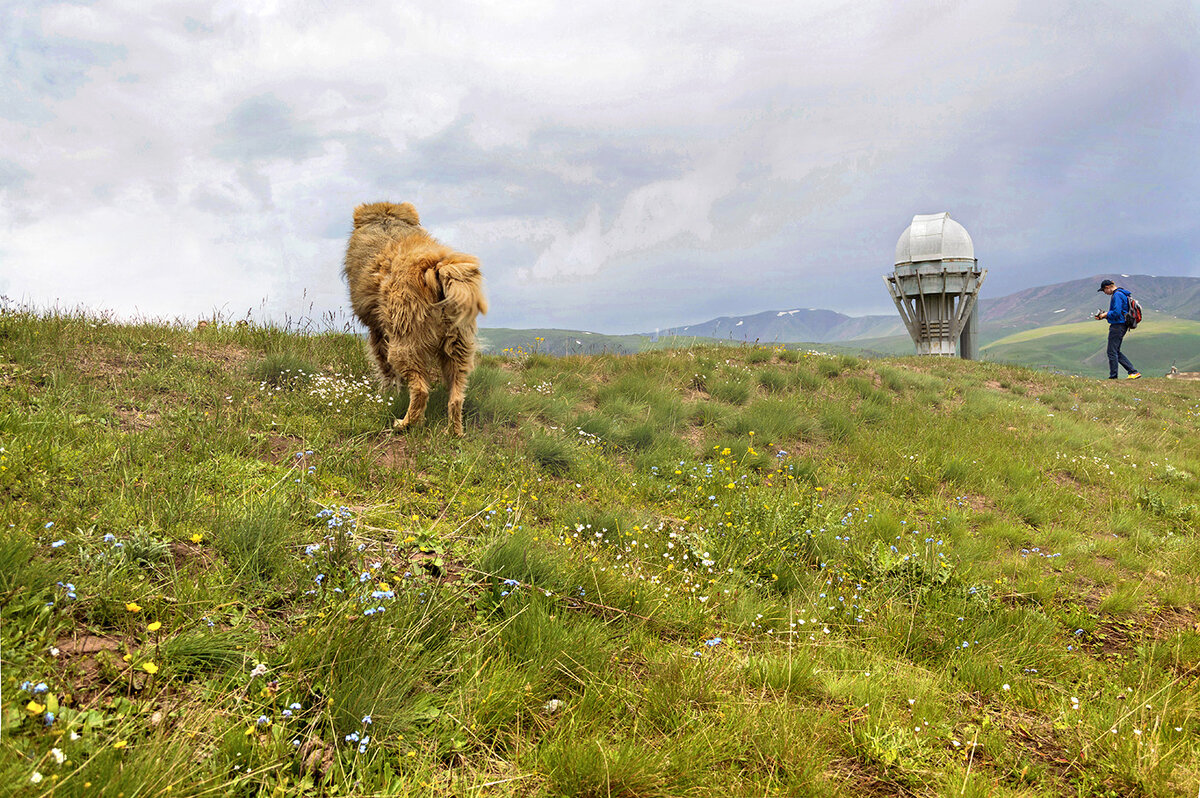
[[1135, 375]]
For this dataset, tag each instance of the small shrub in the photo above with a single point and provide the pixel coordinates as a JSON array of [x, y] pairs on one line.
[[144, 549], [253, 537], [282, 369], [196, 653], [836, 424], [639, 436], [707, 414], [552, 453], [772, 381], [806, 381], [759, 354], [596, 424], [592, 768], [19, 570], [517, 556], [734, 392]]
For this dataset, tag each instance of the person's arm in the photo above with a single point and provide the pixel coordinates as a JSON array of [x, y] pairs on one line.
[[1117, 308]]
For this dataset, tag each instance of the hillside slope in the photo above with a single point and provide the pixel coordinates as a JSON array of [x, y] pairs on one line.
[[1070, 302], [703, 571], [1158, 343]]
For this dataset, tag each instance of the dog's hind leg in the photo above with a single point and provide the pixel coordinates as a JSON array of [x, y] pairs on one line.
[[377, 349], [418, 396], [455, 378]]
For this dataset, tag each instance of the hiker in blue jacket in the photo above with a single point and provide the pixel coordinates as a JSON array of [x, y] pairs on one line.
[[1118, 309]]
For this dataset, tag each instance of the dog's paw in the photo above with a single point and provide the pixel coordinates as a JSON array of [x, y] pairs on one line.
[[399, 425]]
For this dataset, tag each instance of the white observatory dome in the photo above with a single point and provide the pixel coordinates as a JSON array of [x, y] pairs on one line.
[[933, 237]]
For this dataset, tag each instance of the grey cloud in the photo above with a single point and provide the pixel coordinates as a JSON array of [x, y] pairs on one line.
[[12, 175], [41, 67], [195, 26], [759, 155], [462, 180], [264, 127]]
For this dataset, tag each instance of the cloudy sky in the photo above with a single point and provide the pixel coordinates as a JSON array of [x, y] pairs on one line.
[[616, 166]]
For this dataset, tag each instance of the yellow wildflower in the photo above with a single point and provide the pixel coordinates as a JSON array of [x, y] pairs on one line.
[[154, 627], [150, 668], [132, 606]]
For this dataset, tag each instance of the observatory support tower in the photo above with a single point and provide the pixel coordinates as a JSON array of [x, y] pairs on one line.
[[935, 286]]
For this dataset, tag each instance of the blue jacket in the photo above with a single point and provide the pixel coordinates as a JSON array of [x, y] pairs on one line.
[[1118, 307]]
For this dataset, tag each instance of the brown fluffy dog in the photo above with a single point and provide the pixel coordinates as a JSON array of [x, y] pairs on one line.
[[419, 300]]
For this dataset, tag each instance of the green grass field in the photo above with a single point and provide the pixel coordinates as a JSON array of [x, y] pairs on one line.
[[706, 571]]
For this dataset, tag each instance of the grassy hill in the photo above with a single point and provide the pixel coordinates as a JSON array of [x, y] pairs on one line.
[[1158, 342], [1069, 302], [689, 572], [511, 342]]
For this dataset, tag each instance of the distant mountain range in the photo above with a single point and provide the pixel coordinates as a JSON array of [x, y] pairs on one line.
[[1043, 306], [1063, 303], [784, 326], [1012, 328]]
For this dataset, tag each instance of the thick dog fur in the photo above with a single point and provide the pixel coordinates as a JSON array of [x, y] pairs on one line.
[[418, 299]]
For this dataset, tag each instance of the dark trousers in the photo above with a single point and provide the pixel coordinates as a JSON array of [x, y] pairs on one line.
[[1116, 333]]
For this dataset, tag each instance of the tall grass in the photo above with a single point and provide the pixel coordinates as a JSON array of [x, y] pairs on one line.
[[705, 571]]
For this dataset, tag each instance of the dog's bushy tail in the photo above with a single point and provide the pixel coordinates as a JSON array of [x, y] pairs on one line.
[[462, 287]]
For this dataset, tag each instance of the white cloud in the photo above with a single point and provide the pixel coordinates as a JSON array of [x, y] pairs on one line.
[[565, 143], [653, 215]]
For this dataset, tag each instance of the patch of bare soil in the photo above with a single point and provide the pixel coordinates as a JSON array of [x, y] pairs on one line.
[[977, 502], [1035, 736], [866, 779], [693, 435], [227, 354], [1066, 480], [1032, 390], [85, 644], [89, 663], [1116, 637], [282, 450], [1168, 621], [10, 373], [101, 364], [392, 453], [191, 557], [131, 419], [317, 756]]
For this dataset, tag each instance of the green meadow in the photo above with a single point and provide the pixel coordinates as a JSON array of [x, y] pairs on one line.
[[1158, 343], [695, 571]]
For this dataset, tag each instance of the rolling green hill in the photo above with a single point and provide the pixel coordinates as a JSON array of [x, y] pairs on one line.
[[697, 571], [1069, 302], [1079, 348]]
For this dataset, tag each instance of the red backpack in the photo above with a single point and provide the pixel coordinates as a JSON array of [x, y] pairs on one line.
[[1133, 317]]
